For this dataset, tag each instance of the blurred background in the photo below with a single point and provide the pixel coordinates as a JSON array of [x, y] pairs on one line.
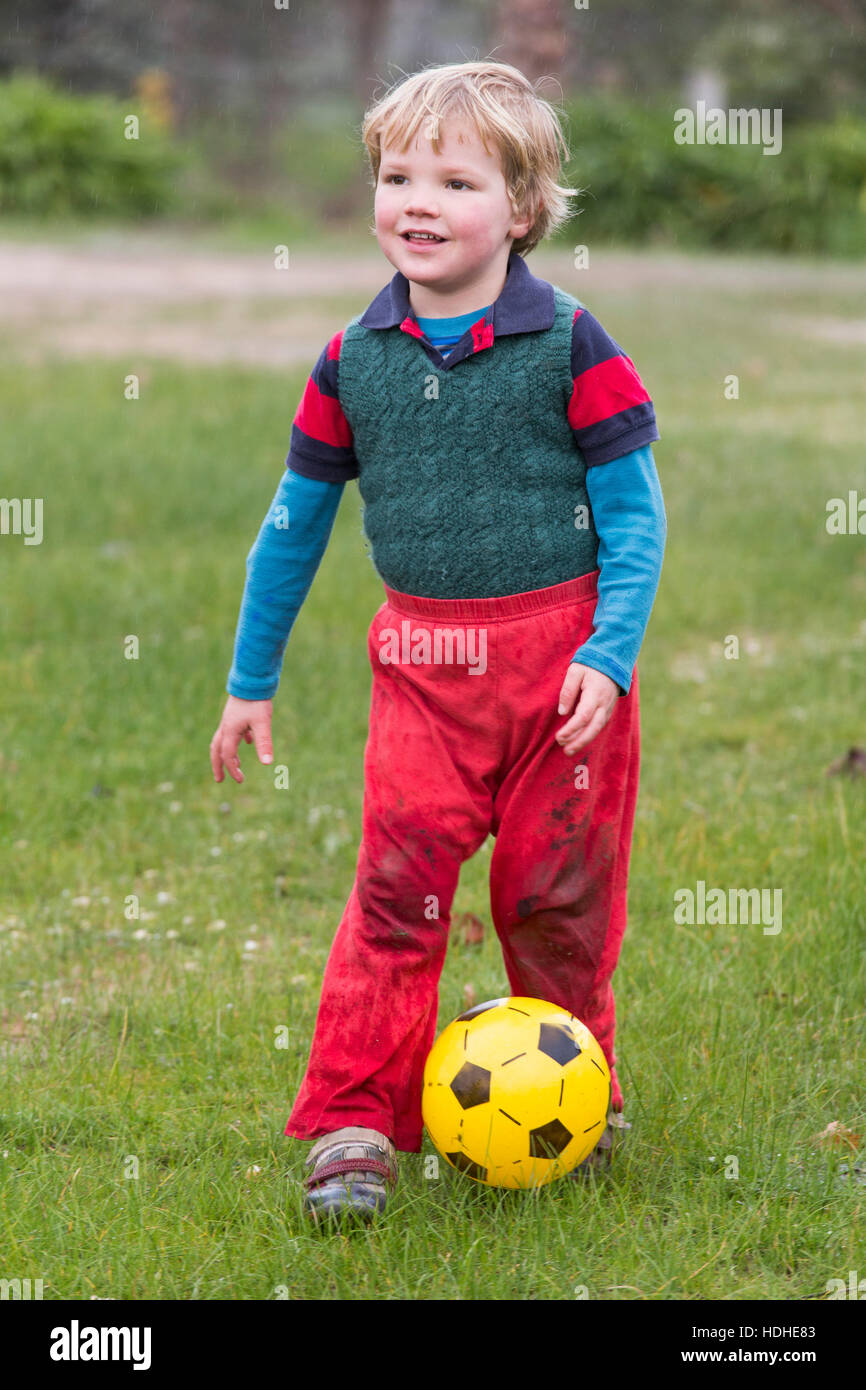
[[252, 110]]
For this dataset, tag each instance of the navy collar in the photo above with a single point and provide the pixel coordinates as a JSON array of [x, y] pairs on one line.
[[525, 305]]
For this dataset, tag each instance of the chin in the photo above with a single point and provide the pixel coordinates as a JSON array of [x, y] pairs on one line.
[[415, 269]]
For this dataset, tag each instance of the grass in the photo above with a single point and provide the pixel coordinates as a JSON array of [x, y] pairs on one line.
[[145, 1088], [236, 231]]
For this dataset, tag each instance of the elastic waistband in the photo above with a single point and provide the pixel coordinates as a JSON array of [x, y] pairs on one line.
[[494, 610]]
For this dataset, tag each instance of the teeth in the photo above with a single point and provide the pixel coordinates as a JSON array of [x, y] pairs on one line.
[[422, 236]]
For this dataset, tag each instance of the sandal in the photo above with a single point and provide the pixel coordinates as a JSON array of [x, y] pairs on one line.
[[350, 1170], [601, 1156]]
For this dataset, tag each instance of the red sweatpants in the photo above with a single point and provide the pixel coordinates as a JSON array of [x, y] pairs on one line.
[[458, 749]]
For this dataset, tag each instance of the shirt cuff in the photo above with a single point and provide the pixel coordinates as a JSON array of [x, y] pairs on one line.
[[587, 657], [626, 443]]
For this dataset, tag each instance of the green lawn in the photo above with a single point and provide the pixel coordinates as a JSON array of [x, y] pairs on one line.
[[143, 1094]]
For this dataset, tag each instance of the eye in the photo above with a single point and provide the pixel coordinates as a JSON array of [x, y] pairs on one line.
[[389, 178]]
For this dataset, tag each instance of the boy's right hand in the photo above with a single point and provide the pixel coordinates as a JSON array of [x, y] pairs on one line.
[[248, 719]]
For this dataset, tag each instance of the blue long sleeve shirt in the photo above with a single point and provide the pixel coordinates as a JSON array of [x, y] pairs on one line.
[[281, 567]]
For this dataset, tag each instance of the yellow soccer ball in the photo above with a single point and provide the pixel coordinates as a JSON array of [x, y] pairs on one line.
[[516, 1092]]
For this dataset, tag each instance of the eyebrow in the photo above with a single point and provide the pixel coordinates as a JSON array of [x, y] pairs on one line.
[[392, 161]]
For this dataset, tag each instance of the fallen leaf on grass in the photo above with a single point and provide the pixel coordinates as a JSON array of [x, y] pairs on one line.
[[837, 1136], [469, 927], [16, 1028], [853, 764]]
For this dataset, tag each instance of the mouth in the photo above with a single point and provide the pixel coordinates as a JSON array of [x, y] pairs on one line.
[[422, 238]]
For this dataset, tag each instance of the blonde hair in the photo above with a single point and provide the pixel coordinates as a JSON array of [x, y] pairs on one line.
[[506, 111]]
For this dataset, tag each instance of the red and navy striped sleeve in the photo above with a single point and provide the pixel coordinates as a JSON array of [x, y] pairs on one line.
[[321, 444], [610, 410]]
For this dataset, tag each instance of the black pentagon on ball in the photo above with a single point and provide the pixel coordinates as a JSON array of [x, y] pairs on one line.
[[480, 1009], [471, 1085], [467, 1166], [557, 1042], [549, 1140]]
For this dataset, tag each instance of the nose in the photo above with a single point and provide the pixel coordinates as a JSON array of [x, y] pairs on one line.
[[421, 202]]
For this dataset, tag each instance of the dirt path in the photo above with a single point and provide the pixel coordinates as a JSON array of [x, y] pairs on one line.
[[145, 296]]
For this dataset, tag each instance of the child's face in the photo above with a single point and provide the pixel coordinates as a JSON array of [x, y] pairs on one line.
[[458, 194]]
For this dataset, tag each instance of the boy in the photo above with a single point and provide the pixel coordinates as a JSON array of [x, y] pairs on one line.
[[501, 443]]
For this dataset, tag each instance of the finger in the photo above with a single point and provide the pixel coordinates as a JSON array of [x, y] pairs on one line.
[[594, 727], [228, 754], [587, 707], [264, 746], [570, 687], [233, 763], [215, 759]]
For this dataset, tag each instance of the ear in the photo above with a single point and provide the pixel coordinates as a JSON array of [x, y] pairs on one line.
[[521, 225]]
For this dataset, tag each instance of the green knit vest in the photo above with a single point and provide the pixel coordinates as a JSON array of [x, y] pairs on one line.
[[471, 478]]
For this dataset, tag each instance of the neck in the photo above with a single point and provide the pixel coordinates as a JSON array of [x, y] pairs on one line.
[[453, 299]]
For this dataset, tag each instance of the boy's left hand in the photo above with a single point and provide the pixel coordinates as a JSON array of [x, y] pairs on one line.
[[597, 702]]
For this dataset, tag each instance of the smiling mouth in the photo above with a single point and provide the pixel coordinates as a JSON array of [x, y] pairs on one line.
[[421, 236]]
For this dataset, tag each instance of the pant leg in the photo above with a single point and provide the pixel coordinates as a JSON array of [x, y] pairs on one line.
[[449, 757], [559, 868], [427, 807]]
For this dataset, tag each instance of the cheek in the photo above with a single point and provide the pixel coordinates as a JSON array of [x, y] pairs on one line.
[[476, 224], [384, 211]]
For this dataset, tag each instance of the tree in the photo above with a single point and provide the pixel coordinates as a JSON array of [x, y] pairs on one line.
[[531, 35]]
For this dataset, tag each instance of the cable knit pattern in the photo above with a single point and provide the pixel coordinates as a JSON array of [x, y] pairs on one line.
[[469, 476]]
